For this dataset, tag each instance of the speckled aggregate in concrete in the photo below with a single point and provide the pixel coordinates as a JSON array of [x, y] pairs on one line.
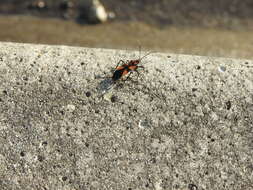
[[186, 123]]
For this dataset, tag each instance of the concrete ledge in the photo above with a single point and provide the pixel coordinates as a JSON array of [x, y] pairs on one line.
[[187, 123]]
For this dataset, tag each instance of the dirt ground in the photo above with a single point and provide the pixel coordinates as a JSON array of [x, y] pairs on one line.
[[129, 35], [201, 27]]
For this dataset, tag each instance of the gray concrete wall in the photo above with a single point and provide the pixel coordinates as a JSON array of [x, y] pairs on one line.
[[186, 123]]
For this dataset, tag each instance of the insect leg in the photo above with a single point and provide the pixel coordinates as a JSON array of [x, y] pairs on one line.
[[138, 73], [127, 77], [120, 61]]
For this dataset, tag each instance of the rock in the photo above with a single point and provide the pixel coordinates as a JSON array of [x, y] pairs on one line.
[[61, 134], [93, 12], [38, 4], [98, 12]]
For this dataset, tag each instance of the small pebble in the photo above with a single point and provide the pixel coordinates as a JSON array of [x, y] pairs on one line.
[[222, 69], [143, 124], [71, 107]]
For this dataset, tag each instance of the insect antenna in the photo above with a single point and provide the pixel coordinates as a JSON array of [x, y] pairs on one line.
[[140, 58], [146, 55]]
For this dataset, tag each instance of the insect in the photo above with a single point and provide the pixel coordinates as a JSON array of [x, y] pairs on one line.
[[127, 67]]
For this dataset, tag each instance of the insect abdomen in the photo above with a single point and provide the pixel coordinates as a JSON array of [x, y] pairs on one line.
[[117, 74]]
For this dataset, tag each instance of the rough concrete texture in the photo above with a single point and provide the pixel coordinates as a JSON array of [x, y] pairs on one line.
[[186, 123]]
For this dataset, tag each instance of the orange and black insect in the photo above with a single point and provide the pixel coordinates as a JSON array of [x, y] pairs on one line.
[[127, 67]]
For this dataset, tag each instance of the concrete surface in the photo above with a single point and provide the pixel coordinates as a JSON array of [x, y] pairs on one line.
[[186, 123]]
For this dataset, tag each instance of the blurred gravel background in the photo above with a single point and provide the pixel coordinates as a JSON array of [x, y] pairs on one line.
[[202, 27]]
